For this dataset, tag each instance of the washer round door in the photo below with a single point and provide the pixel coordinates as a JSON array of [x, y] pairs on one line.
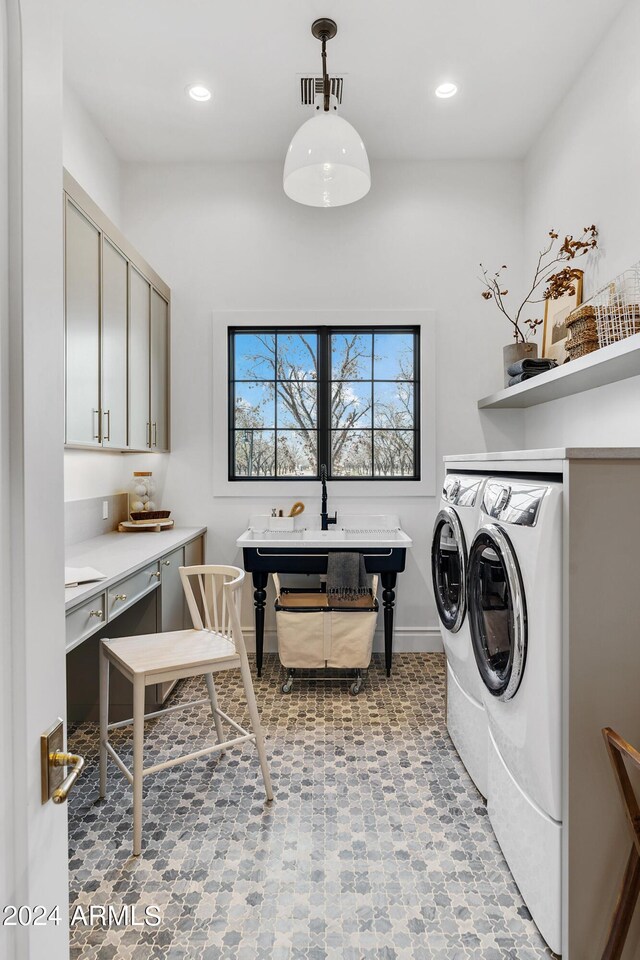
[[449, 569], [497, 612]]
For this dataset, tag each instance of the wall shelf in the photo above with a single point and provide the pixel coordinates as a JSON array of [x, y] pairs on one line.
[[616, 362]]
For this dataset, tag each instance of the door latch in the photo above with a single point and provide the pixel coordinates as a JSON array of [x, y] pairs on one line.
[[53, 760]]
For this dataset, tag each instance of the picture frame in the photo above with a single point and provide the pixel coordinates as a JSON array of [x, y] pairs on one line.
[[554, 331]]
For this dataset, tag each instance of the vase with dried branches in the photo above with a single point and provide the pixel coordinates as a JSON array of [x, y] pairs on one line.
[[554, 276]]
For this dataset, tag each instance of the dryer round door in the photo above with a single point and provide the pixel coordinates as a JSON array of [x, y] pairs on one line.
[[497, 612], [449, 569]]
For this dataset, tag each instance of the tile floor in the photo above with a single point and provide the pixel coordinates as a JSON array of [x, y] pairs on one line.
[[377, 844]]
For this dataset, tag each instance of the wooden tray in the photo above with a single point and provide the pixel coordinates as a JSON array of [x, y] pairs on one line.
[[147, 526]]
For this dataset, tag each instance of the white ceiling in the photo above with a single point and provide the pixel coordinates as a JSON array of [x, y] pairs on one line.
[[513, 60]]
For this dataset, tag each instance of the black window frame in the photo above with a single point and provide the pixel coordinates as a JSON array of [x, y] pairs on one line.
[[324, 381]]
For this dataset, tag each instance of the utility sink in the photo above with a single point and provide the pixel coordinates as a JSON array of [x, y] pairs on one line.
[[352, 530], [335, 533]]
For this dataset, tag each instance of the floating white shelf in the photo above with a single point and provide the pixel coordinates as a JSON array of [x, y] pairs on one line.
[[618, 361]]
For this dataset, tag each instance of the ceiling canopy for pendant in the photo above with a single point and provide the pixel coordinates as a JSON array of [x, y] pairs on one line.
[[326, 163]]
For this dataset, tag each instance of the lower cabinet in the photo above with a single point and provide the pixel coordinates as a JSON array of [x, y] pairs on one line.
[[160, 610]]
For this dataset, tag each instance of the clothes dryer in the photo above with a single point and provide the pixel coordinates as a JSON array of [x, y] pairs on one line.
[[515, 624]]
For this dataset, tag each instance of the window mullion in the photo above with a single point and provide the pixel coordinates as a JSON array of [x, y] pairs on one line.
[[324, 397]]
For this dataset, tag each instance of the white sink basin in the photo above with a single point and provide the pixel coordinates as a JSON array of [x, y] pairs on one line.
[[333, 534], [354, 530]]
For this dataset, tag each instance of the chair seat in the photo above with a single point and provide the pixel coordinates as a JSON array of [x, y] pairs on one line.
[[175, 650]]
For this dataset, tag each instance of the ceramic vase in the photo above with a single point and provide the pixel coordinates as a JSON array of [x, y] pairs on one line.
[[517, 351]]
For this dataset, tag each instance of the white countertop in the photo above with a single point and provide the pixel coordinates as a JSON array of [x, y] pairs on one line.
[[550, 453], [118, 555]]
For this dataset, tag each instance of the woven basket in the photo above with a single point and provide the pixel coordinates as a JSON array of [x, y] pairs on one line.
[[583, 332]]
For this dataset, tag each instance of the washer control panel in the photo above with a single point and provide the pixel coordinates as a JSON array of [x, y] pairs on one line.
[[460, 490], [517, 503]]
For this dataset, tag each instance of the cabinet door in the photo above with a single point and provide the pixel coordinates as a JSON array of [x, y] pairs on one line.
[[159, 372], [172, 602], [140, 303], [82, 308], [194, 557], [114, 346]]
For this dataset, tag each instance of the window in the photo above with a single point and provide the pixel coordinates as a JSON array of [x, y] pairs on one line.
[[345, 397]]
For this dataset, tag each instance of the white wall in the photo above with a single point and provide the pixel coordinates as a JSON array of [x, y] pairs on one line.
[[226, 237], [89, 157], [584, 169]]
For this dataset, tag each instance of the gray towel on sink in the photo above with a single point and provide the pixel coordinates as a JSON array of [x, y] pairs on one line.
[[347, 578]]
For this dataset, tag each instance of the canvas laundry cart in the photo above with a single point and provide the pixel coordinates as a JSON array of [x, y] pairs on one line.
[[316, 631]]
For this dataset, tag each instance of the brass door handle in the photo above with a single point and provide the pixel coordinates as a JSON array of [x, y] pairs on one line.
[[156, 573], [167, 563], [96, 613], [119, 596], [61, 793]]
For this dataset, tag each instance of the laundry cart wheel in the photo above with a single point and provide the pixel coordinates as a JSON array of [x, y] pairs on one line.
[[356, 686], [288, 684]]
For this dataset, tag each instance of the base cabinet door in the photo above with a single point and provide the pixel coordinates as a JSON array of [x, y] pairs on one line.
[[172, 605]]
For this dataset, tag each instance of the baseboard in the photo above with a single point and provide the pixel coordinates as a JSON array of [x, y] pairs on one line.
[[405, 640]]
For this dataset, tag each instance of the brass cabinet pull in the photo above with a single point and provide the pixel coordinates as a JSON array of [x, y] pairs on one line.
[[97, 613], [156, 573], [167, 563], [98, 436], [66, 760], [107, 414], [119, 596]]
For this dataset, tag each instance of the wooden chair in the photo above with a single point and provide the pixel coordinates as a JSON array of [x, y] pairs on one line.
[[618, 750], [215, 643]]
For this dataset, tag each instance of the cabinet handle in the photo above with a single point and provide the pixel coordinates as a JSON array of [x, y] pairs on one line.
[[167, 563], [98, 436], [155, 434], [107, 414], [97, 613], [148, 433], [156, 573], [119, 596]]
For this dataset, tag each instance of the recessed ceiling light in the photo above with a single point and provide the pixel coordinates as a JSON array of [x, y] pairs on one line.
[[446, 90], [199, 92]]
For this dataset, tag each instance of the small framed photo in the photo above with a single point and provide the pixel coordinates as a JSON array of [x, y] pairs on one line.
[[554, 332]]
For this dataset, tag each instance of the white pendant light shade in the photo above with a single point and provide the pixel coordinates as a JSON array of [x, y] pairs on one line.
[[326, 163]]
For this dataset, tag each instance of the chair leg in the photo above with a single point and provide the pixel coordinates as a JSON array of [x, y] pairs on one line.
[[256, 725], [138, 750], [627, 898], [104, 718], [211, 687]]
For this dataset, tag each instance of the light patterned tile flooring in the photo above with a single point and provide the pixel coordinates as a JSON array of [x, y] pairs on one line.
[[377, 844]]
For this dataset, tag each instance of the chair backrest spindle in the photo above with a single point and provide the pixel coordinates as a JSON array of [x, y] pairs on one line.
[[221, 615]]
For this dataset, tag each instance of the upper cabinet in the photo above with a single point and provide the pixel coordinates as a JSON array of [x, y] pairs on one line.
[[117, 336], [82, 298]]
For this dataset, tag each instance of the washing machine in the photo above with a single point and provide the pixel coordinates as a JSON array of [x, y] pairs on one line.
[[453, 532], [514, 581]]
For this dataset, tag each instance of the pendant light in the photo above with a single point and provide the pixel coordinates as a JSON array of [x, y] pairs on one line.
[[326, 163]]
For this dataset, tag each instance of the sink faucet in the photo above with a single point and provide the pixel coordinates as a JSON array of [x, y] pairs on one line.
[[324, 516]]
